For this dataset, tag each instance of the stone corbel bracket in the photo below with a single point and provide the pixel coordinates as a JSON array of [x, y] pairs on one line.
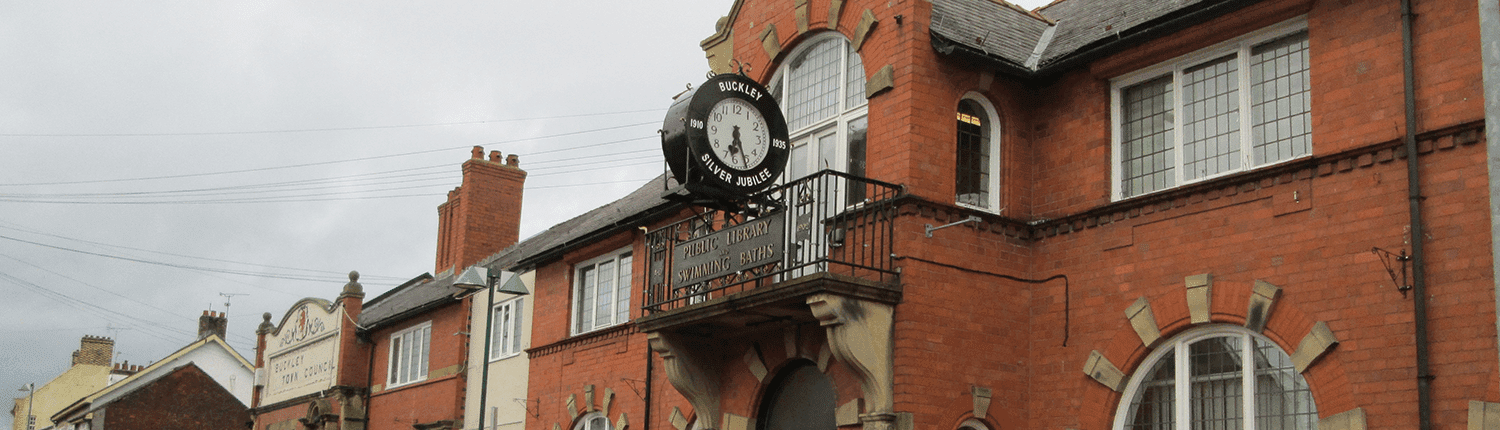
[[694, 375], [859, 334]]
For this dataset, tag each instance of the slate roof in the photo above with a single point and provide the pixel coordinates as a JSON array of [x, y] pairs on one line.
[[427, 291], [1003, 31], [1040, 41], [642, 204], [420, 293]]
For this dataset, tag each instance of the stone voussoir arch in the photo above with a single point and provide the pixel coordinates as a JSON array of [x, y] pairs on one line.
[[1255, 305]]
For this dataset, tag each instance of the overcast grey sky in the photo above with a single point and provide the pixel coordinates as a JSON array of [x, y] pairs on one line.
[[159, 154]]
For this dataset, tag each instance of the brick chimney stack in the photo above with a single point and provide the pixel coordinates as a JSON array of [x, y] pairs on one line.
[[95, 350], [482, 216], [212, 323]]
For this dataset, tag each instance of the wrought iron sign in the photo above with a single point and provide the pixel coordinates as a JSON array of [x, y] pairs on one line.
[[756, 243]]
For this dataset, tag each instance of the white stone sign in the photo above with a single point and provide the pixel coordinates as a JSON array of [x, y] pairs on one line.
[[302, 354]]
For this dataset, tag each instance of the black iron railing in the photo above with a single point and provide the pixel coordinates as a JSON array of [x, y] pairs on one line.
[[829, 222]]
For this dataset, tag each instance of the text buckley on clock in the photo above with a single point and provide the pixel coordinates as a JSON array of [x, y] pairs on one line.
[[739, 87]]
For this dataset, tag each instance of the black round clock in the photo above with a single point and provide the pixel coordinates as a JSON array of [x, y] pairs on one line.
[[727, 134]]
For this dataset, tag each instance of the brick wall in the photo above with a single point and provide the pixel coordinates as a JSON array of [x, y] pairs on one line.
[[1308, 228], [440, 396], [185, 398]]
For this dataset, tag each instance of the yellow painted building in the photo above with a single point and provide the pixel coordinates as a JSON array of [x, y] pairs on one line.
[[89, 372]]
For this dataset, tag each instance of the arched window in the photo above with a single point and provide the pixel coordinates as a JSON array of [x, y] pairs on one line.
[[976, 174], [973, 424], [821, 88], [593, 421], [800, 398], [1220, 377]]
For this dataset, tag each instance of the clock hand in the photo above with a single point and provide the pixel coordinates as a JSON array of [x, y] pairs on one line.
[[734, 145]]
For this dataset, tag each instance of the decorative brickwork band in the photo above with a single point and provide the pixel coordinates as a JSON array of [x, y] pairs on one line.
[[1353, 419], [859, 333], [1314, 345], [1105, 372], [694, 376], [1199, 297], [1262, 296], [1143, 321]]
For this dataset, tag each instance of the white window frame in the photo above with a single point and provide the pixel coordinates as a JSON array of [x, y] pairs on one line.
[[973, 424], [599, 323], [586, 422], [992, 118], [507, 335], [1179, 346], [1240, 46], [401, 352], [836, 125]]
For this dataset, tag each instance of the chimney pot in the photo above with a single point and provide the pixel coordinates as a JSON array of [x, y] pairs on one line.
[[495, 156], [513, 160], [477, 153]]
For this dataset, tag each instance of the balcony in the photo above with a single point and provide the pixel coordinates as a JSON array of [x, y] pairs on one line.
[[828, 232]]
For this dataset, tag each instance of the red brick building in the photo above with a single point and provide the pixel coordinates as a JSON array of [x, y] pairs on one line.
[[404, 364], [1102, 214], [184, 397]]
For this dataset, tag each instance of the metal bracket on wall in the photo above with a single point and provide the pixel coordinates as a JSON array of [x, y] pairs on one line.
[[930, 228], [1387, 259]]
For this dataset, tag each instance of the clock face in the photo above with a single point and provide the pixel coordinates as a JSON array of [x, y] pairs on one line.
[[726, 137], [738, 133]]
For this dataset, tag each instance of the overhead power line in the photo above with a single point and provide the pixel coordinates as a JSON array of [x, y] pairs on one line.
[[351, 160], [328, 272], [309, 278], [323, 129]]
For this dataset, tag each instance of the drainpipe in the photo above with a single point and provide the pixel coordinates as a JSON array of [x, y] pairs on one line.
[[1489, 52], [1414, 202], [646, 419]]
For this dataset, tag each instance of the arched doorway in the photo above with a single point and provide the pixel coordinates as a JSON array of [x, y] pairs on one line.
[[800, 398]]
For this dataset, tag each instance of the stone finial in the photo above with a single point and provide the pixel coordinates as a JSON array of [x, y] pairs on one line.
[[265, 324], [477, 153], [353, 287]]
